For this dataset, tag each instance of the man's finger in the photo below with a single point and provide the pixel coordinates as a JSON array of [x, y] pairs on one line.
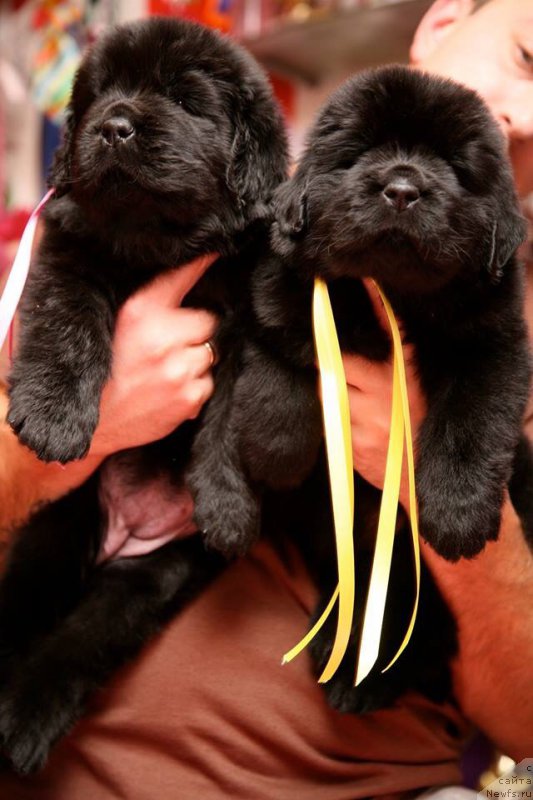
[[191, 325], [170, 288], [379, 308], [377, 304], [191, 274]]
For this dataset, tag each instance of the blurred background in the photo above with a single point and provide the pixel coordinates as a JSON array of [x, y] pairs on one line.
[[307, 46]]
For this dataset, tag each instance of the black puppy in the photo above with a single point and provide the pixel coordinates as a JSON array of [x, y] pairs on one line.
[[405, 179], [173, 147]]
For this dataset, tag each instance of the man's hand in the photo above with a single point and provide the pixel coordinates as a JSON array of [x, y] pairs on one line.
[[161, 367], [370, 398]]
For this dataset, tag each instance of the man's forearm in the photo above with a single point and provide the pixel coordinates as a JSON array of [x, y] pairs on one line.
[[491, 598], [25, 481]]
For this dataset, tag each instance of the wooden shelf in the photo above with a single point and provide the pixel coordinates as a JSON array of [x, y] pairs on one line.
[[324, 44]]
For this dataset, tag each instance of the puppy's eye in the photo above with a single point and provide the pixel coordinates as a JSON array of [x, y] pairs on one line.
[[187, 102], [192, 105], [176, 96], [345, 163], [195, 93]]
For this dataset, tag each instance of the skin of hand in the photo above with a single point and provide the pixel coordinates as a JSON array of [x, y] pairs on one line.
[[161, 368], [160, 377]]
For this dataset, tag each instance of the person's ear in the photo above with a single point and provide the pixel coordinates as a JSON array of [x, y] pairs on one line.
[[438, 22]]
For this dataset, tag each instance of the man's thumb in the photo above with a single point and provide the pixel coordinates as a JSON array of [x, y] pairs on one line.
[[172, 287]]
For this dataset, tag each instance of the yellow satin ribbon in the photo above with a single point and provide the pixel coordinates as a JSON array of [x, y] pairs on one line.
[[400, 428], [338, 437], [336, 412]]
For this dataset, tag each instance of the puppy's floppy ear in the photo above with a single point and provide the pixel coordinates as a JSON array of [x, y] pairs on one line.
[[259, 149], [290, 208], [60, 173], [290, 215], [508, 232]]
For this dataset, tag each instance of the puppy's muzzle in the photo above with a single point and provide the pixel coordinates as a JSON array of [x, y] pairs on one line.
[[117, 130]]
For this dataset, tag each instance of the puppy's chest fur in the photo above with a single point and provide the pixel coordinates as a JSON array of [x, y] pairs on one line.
[[448, 327], [119, 262]]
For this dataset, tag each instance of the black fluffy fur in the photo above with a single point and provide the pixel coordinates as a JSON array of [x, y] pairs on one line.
[[208, 149]]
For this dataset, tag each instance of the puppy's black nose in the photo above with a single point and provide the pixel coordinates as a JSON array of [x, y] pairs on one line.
[[401, 194], [117, 130]]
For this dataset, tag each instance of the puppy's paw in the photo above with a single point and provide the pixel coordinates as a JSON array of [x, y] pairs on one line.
[[282, 459], [458, 523], [57, 426], [23, 751], [279, 446], [26, 736], [375, 692], [229, 521], [38, 706]]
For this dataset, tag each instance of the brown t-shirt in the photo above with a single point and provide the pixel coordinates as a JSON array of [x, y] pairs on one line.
[[208, 712]]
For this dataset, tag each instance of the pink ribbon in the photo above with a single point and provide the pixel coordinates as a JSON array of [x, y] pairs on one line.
[[19, 271]]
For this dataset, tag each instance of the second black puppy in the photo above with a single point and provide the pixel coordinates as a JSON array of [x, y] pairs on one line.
[[405, 179]]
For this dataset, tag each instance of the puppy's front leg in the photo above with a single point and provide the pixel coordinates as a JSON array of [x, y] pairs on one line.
[[277, 411], [476, 402], [226, 504], [263, 430], [62, 362], [276, 406]]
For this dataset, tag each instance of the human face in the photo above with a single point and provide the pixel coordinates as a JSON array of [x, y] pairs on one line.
[[490, 51]]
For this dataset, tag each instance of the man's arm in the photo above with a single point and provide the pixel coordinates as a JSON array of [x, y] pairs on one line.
[[25, 481], [491, 598]]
